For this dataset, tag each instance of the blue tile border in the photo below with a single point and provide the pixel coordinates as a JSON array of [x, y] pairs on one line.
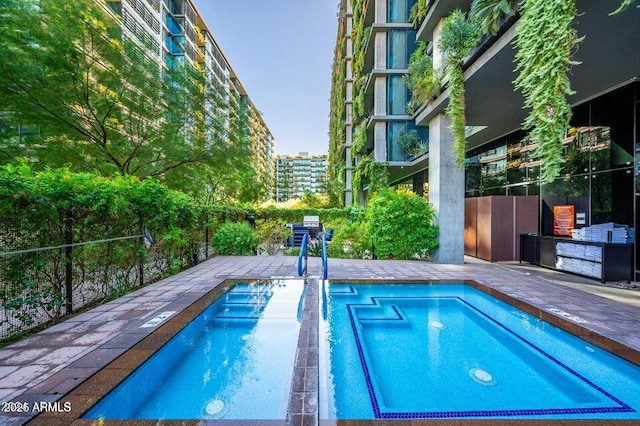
[[621, 408]]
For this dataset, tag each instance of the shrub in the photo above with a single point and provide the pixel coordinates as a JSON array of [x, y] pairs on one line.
[[350, 240], [271, 235], [401, 225], [235, 239]]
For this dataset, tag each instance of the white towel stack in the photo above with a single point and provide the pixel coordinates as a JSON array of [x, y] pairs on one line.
[[581, 251], [600, 233], [579, 266]]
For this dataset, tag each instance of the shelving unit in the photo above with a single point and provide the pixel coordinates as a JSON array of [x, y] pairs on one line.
[[603, 261]]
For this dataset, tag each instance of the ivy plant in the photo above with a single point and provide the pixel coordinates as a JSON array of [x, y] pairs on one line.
[[457, 38], [545, 43]]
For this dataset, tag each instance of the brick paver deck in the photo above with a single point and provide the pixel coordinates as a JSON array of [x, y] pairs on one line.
[[48, 365]]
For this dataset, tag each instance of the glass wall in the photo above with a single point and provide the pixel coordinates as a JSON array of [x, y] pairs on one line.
[[406, 141], [597, 177], [399, 10], [400, 45], [397, 95]]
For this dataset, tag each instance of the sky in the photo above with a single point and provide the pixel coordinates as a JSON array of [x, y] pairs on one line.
[[282, 51]]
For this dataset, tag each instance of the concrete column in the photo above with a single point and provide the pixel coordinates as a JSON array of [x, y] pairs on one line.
[[380, 52], [380, 96], [446, 192], [438, 57], [381, 11], [380, 141]]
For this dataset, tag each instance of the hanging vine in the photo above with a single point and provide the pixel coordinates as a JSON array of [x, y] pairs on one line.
[[545, 45], [457, 38], [623, 6], [488, 13], [374, 172]]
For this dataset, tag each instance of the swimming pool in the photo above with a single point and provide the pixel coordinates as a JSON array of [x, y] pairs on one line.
[[233, 361], [398, 351]]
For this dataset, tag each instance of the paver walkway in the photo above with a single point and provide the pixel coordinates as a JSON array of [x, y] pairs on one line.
[[49, 364]]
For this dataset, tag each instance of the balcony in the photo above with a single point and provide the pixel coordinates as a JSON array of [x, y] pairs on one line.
[[175, 45], [439, 9], [174, 25], [369, 86]]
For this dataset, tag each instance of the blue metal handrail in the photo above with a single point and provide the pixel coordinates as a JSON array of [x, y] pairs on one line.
[[325, 258], [304, 253]]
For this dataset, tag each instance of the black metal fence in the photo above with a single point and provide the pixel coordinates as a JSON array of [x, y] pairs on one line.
[[43, 285]]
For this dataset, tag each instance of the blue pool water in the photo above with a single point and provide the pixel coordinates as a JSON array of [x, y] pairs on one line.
[[234, 361], [451, 351]]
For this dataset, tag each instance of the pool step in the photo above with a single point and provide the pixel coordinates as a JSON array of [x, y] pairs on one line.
[[387, 312], [238, 310]]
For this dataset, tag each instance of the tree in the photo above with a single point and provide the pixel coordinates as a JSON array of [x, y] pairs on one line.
[[99, 100]]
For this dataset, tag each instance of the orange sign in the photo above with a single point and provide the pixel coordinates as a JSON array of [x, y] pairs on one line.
[[563, 220]]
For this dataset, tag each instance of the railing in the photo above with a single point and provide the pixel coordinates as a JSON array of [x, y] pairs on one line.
[[42, 285], [304, 255], [325, 258]]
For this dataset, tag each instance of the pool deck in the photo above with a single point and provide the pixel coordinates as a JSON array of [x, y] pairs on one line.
[[52, 365]]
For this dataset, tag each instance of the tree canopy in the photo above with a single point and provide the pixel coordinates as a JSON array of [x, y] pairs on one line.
[[101, 102]]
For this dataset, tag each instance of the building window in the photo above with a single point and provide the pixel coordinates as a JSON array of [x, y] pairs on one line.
[[398, 96], [396, 151], [398, 10], [400, 45]]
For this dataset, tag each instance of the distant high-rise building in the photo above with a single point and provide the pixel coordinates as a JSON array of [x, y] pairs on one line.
[[294, 175]]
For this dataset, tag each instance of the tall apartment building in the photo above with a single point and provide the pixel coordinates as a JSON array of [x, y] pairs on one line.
[[375, 42], [296, 174], [174, 33], [601, 168]]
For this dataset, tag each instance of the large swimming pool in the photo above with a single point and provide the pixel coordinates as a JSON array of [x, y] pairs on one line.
[[451, 351], [234, 361]]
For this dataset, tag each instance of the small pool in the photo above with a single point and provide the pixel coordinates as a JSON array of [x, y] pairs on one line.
[[233, 361], [426, 351]]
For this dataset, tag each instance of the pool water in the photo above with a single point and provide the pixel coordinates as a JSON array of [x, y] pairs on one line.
[[450, 351], [234, 361]]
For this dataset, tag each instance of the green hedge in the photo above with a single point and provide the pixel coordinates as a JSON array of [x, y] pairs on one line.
[[57, 207]]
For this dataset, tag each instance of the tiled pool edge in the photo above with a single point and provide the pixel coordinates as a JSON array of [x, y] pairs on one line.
[[303, 402]]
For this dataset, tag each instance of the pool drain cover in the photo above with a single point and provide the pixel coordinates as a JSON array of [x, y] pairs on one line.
[[436, 324], [483, 377], [215, 409]]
